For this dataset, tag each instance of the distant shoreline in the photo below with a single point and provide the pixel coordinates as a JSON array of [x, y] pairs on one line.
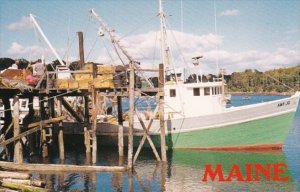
[[261, 93]]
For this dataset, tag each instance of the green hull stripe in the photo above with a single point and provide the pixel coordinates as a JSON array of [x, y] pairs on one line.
[[272, 130]]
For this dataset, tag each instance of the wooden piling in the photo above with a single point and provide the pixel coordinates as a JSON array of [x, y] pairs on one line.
[[81, 49], [31, 140], [94, 118], [163, 176], [161, 112], [51, 105], [60, 181], [87, 142], [130, 181], [61, 143], [94, 182], [86, 110], [61, 146], [44, 147], [131, 114], [18, 146], [8, 122], [50, 114], [42, 107], [94, 140], [43, 132], [121, 129]]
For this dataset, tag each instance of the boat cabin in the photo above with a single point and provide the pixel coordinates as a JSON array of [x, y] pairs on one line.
[[185, 99]]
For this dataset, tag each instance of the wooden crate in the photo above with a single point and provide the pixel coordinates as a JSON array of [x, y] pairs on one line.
[[83, 83], [82, 76], [104, 81], [73, 84], [106, 69], [62, 83]]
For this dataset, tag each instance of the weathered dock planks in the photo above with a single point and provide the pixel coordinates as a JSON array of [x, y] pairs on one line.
[[60, 167]]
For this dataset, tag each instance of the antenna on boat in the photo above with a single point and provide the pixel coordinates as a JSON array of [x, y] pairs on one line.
[[216, 32], [222, 71], [196, 63], [32, 17]]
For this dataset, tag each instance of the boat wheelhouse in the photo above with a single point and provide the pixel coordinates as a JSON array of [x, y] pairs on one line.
[[193, 99]]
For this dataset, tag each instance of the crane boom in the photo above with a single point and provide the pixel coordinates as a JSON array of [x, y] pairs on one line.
[[117, 43], [46, 39], [112, 37]]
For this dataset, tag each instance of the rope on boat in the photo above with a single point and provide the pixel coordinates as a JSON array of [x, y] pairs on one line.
[[279, 82]]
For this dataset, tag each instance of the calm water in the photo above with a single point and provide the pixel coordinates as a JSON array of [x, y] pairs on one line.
[[184, 169]]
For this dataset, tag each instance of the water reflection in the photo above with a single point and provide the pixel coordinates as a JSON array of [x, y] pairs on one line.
[[188, 168], [183, 172]]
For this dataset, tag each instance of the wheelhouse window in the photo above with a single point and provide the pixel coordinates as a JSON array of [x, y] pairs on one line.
[[172, 93], [215, 90], [206, 90], [196, 91]]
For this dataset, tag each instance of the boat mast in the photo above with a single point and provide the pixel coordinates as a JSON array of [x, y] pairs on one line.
[[46, 39], [165, 50], [165, 54], [223, 86]]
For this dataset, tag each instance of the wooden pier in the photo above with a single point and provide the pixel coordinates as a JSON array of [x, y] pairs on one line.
[[91, 84]]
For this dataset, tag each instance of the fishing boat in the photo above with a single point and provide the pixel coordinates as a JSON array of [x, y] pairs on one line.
[[203, 122], [196, 116]]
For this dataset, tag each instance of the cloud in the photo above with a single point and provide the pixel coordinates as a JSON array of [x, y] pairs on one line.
[[145, 48], [230, 12], [239, 61], [23, 23], [17, 49]]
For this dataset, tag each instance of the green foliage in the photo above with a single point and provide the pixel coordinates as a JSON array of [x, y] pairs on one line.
[[276, 80]]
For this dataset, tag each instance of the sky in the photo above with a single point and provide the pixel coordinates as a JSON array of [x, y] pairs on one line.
[[231, 34]]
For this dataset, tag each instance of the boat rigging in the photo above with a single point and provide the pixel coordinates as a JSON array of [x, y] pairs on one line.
[[116, 44]]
